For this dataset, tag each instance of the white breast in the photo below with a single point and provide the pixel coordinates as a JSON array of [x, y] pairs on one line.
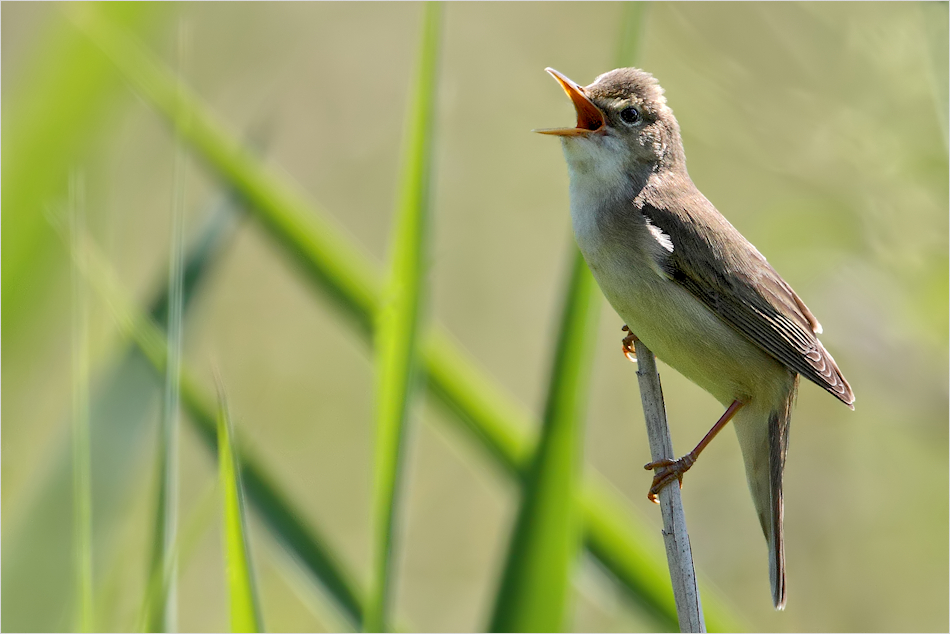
[[596, 169]]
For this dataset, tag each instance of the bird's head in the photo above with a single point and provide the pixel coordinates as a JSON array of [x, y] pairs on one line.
[[622, 118]]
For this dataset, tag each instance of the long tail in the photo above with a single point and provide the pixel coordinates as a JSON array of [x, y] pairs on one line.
[[763, 436]]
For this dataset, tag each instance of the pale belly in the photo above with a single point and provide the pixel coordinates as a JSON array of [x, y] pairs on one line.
[[686, 335]]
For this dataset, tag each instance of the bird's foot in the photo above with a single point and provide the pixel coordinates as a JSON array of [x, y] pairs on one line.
[[628, 344], [668, 470]]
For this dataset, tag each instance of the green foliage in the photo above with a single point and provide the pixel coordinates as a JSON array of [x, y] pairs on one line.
[[47, 140], [339, 270], [536, 580], [302, 541], [82, 443], [560, 507], [163, 615], [242, 589], [399, 317]]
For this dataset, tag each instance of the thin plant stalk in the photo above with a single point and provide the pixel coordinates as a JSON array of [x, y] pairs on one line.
[[190, 532], [82, 445], [244, 607], [689, 609], [83, 253], [533, 593], [398, 322]]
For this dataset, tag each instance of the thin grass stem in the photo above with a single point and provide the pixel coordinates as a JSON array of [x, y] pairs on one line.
[[676, 538], [190, 532], [164, 617], [679, 555]]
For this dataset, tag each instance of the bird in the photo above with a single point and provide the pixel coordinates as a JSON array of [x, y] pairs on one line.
[[687, 284]]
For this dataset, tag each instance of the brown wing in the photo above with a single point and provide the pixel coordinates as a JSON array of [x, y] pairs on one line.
[[715, 263]]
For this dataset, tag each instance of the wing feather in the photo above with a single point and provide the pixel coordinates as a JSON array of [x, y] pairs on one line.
[[715, 263]]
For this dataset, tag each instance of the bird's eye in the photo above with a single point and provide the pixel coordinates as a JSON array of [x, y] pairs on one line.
[[630, 115]]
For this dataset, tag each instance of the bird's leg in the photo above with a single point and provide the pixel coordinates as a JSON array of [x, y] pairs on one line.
[[667, 469], [627, 344]]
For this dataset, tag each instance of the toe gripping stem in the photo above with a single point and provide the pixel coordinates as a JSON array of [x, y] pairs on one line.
[[668, 469], [628, 344]]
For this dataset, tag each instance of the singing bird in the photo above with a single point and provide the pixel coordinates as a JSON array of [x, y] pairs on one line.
[[689, 285]]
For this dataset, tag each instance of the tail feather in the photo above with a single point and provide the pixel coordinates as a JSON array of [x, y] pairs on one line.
[[778, 446], [763, 436]]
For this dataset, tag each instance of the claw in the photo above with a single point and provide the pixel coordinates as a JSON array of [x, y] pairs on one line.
[[628, 343], [667, 471]]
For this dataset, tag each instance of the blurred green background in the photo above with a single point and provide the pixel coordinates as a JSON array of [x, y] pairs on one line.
[[819, 130]]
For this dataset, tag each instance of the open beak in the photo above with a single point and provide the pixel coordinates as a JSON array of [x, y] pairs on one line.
[[589, 117]]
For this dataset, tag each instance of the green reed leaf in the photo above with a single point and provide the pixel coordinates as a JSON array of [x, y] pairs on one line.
[[398, 320], [242, 590], [536, 581]]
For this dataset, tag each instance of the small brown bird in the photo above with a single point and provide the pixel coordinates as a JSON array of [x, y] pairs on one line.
[[688, 285]]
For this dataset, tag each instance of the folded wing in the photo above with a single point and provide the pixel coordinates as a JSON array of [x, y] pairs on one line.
[[715, 263]]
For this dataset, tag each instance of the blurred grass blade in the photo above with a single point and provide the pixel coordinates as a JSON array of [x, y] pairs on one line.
[[299, 582], [536, 582], [192, 530], [397, 322], [625, 544], [934, 26], [315, 243], [82, 444], [51, 110], [242, 592], [632, 29], [164, 612], [280, 516], [283, 519], [120, 426], [345, 275]]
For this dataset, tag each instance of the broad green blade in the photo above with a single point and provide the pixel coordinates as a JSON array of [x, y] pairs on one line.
[[536, 582], [345, 275], [242, 591], [397, 323]]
